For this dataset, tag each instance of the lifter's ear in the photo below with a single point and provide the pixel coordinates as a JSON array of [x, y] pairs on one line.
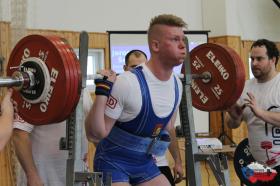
[[155, 45]]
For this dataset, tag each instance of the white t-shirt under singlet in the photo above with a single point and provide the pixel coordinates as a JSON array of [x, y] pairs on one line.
[[127, 99]]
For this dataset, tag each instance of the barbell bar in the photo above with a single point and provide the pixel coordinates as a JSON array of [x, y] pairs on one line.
[[46, 72], [14, 81]]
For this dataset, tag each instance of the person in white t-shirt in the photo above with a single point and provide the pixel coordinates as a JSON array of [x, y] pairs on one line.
[[37, 149], [259, 106], [132, 59]]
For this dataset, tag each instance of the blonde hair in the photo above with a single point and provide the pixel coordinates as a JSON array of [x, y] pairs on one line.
[[168, 20]]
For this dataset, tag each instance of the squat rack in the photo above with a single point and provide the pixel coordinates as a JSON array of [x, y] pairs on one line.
[[216, 161], [76, 172]]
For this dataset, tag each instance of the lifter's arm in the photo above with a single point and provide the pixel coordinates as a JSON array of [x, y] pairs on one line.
[[97, 124], [174, 150]]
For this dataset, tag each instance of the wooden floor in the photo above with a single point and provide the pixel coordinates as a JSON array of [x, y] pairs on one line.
[[208, 179]]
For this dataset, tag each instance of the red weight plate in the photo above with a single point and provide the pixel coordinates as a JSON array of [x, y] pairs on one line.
[[225, 82], [78, 71], [241, 75], [69, 104], [78, 79], [41, 47], [74, 80]]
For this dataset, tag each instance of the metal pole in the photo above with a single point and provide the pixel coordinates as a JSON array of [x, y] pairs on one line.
[[75, 125], [187, 121], [76, 175]]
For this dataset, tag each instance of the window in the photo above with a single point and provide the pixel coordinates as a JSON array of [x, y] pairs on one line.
[[94, 64]]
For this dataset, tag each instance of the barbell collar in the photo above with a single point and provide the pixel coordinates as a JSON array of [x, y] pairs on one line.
[[26, 78], [206, 76], [19, 80]]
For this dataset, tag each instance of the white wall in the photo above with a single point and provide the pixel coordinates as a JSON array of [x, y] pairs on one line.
[[266, 16], [250, 19], [213, 17], [103, 15], [5, 8]]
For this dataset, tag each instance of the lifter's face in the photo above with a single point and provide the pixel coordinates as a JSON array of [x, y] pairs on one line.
[[171, 45], [134, 61], [261, 65]]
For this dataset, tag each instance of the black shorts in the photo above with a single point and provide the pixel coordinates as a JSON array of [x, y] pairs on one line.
[[165, 170]]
